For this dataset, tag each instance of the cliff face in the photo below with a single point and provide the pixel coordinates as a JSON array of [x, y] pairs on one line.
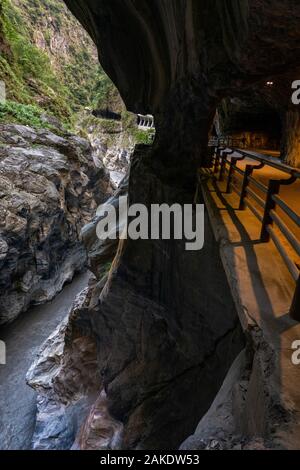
[[50, 187], [164, 327], [51, 71], [177, 59], [48, 63]]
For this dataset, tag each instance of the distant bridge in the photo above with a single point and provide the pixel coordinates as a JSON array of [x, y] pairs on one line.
[[145, 122]]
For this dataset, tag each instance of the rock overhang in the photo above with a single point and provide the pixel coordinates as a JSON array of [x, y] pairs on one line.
[[148, 47]]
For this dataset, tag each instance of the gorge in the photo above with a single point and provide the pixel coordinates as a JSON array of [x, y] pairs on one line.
[[159, 351]]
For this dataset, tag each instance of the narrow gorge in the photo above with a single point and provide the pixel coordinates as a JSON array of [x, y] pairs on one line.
[[161, 347], [59, 160]]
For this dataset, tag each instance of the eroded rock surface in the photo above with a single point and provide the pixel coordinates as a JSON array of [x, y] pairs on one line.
[[112, 142], [101, 252], [164, 321], [61, 376], [248, 412], [49, 188], [62, 371], [159, 337]]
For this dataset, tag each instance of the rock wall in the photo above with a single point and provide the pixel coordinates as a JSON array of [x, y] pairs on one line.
[[165, 327], [249, 412], [251, 120], [112, 142], [164, 343], [49, 61], [49, 187], [163, 337]]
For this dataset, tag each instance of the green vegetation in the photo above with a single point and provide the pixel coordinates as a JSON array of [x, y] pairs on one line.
[[50, 66], [143, 137], [48, 61], [138, 136], [22, 114], [105, 95], [26, 69]]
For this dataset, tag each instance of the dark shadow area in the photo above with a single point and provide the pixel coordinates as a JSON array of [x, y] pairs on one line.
[[107, 114]]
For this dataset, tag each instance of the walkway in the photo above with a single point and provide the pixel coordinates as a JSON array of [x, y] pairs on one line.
[[261, 283], [290, 194]]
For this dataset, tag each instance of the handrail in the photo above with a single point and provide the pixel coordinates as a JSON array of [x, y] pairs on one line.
[[255, 156], [295, 308], [292, 215], [267, 215], [270, 162]]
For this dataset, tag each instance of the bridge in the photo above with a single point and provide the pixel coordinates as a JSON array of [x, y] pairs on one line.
[[145, 122]]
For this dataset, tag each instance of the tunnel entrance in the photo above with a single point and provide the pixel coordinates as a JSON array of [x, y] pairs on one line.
[[251, 123]]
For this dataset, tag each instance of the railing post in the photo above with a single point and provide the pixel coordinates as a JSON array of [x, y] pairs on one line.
[[224, 156], [248, 173], [273, 189], [295, 308], [217, 162], [223, 164], [233, 165]]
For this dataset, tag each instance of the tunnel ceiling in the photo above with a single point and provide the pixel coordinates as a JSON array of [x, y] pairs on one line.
[[148, 46]]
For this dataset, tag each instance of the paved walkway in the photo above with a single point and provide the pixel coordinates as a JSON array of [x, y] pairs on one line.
[[289, 194], [260, 282]]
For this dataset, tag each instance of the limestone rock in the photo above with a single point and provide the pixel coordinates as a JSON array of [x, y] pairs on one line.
[[100, 431], [101, 252], [59, 374], [112, 143], [165, 324], [49, 188], [147, 357]]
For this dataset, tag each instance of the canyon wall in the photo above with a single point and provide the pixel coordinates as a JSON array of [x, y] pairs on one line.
[[50, 187], [291, 140], [163, 324]]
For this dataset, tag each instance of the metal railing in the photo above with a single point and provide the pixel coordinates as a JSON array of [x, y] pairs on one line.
[[263, 200], [145, 122]]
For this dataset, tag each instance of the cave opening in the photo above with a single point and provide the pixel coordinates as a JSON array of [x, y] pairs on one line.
[[250, 123]]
